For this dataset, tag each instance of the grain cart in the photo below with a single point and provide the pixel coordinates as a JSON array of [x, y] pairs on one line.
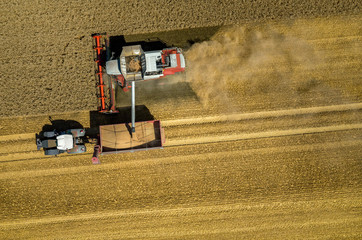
[[119, 138]]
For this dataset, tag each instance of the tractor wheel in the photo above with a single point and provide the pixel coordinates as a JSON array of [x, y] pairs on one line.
[[49, 134], [52, 151]]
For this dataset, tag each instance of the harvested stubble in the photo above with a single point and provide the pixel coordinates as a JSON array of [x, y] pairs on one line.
[[289, 173]]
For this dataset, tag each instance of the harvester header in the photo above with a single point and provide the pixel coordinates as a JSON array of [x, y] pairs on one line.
[[106, 98]]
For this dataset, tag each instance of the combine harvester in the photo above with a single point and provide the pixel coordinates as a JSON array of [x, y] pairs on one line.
[[130, 66]]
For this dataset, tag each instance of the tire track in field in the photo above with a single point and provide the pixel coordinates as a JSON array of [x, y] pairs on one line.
[[17, 137], [259, 115], [267, 134], [30, 153], [35, 155], [17, 146], [177, 212], [21, 156], [176, 159], [223, 118]]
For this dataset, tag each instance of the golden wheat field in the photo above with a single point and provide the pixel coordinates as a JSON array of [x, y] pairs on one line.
[[263, 129]]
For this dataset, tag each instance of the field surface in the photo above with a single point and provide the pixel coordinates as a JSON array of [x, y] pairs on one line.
[[263, 130]]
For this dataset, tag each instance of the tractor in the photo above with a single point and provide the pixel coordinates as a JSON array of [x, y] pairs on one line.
[[118, 68], [54, 142]]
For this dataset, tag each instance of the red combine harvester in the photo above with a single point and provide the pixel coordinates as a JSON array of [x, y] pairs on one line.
[[125, 69], [132, 65]]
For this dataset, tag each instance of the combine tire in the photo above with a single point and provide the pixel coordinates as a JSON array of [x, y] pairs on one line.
[[51, 151]]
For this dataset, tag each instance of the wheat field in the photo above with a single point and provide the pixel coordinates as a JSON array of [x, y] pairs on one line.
[[263, 130]]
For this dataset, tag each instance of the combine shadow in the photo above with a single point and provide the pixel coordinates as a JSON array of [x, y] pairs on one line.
[[123, 116], [116, 43], [183, 38]]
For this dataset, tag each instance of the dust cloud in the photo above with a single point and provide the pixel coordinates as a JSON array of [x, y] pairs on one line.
[[248, 60]]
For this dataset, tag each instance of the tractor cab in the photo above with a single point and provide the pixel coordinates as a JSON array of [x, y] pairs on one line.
[[65, 142]]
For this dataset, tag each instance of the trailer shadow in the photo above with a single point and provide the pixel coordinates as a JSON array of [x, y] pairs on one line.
[[123, 116]]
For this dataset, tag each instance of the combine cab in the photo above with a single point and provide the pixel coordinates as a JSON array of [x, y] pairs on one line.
[[136, 65]]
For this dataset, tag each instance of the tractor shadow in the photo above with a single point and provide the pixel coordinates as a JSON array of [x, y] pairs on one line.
[[123, 116], [61, 125]]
